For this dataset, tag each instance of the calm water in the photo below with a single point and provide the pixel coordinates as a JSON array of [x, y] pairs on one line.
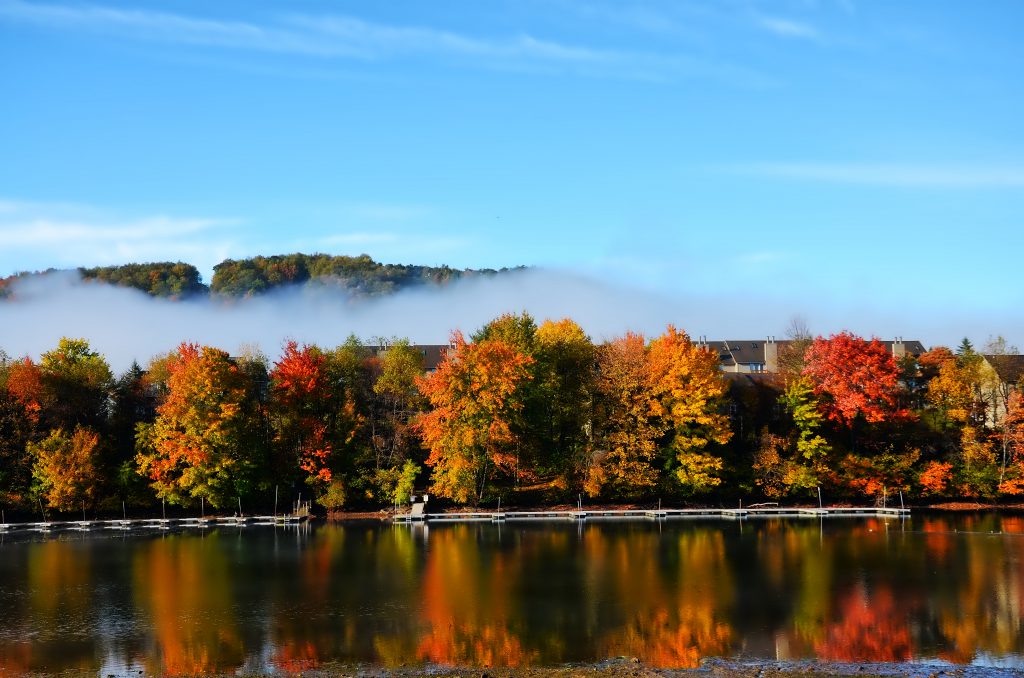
[[266, 599]]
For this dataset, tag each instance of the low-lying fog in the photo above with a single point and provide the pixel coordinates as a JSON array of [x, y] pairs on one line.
[[127, 325]]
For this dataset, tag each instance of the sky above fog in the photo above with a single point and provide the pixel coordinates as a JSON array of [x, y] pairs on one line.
[[719, 165]]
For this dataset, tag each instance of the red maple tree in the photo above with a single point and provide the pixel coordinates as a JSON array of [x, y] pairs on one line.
[[854, 378]]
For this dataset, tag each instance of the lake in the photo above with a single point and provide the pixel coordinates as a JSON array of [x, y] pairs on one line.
[[925, 588]]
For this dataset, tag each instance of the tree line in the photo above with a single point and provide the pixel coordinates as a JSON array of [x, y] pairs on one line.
[[358, 276], [518, 410]]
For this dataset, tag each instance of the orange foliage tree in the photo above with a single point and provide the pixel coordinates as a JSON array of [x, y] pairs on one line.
[[476, 396], [19, 416], [628, 426], [935, 477], [200, 444], [302, 402], [854, 378]]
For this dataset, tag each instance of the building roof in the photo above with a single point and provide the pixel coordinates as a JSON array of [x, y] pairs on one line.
[[1009, 368], [733, 352], [433, 354], [740, 351]]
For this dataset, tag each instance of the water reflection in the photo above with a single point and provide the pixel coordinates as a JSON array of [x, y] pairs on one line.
[[286, 600]]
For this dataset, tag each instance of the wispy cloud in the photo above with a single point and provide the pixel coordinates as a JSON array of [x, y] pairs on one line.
[[892, 175], [760, 258], [143, 24], [374, 40], [347, 37], [788, 28], [66, 235]]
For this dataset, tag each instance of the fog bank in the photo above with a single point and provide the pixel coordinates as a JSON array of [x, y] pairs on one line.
[[126, 325]]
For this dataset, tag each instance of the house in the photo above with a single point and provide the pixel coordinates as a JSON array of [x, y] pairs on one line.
[[433, 354], [1000, 375], [755, 356]]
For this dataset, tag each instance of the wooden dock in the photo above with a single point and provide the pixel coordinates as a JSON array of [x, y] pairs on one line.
[[150, 524], [653, 514]]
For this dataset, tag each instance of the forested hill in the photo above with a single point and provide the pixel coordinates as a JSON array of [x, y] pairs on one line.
[[359, 276], [172, 280]]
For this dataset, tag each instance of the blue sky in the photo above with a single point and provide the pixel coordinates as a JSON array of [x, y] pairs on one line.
[[859, 158]]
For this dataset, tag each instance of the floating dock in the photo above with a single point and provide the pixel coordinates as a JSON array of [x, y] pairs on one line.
[[149, 524], [652, 514]]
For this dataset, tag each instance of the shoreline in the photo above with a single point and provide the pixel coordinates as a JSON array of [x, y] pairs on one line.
[[388, 514], [624, 667]]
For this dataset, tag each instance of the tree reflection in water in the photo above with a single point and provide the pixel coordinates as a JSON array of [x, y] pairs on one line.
[[516, 595]]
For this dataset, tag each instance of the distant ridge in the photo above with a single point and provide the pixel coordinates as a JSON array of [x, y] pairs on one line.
[[359, 276]]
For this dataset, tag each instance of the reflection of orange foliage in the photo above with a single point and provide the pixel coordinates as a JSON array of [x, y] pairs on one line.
[[59, 580], [664, 642], [674, 620], [937, 540], [187, 587], [869, 628], [15, 659], [1012, 524], [295, 657], [466, 606], [985, 614], [476, 645]]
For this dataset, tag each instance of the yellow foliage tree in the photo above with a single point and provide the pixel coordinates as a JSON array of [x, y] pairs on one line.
[[689, 393], [65, 468]]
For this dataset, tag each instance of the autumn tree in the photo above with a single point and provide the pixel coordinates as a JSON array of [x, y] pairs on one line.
[[791, 354], [564, 383], [19, 415], [76, 385], [771, 468], [301, 404], [475, 397], [854, 379], [133, 402], [199, 444], [935, 477], [350, 368], [1011, 470], [397, 401], [951, 390], [23, 380], [689, 392], [977, 472], [628, 426], [799, 398], [518, 331], [795, 461], [65, 468]]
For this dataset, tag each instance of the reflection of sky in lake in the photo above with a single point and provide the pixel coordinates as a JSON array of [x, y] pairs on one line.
[[930, 589]]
